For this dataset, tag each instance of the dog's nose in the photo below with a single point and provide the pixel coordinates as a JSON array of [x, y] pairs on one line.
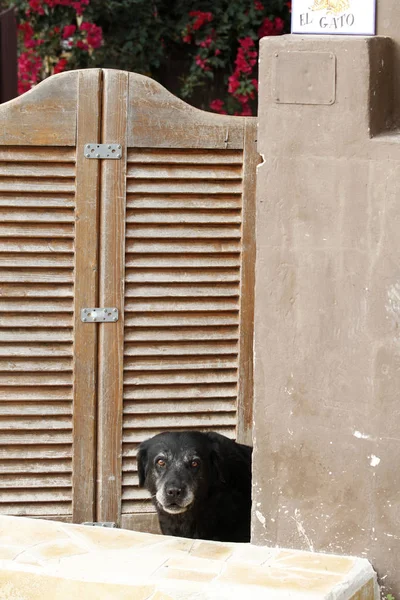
[[174, 492]]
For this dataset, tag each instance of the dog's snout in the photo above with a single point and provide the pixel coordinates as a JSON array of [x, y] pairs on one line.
[[174, 492]]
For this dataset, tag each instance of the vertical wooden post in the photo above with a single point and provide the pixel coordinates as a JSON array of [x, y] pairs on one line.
[[112, 275], [245, 393], [86, 295]]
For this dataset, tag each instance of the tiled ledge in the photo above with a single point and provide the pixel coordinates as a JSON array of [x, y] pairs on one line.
[[44, 560]]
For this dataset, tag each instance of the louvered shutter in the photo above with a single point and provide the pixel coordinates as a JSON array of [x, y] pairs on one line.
[[40, 254], [184, 358]]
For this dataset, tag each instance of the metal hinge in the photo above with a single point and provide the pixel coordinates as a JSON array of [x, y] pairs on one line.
[[99, 315], [100, 524], [113, 151]]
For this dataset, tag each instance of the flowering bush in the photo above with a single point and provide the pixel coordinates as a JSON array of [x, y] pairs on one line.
[[213, 42], [54, 37], [225, 38]]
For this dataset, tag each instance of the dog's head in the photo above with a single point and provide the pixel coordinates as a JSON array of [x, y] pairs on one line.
[[178, 468]]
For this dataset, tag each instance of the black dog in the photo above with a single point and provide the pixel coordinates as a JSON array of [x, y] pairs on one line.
[[200, 484]]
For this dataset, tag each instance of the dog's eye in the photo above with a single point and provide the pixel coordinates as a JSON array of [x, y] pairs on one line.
[[161, 462], [194, 464]]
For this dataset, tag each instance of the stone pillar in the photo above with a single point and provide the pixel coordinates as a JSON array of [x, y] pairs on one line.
[[327, 316]]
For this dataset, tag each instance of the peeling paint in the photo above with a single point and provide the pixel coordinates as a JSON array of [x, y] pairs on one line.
[[375, 460], [301, 531], [361, 436], [260, 517]]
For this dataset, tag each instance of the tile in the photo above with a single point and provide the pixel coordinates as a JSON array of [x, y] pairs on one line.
[[42, 560]]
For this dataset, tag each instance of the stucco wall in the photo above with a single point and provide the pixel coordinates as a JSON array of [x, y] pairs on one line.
[[327, 322]]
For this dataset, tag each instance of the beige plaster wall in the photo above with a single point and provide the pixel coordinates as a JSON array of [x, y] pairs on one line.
[[327, 320]]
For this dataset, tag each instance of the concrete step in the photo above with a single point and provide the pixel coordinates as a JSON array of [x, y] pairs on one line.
[[45, 560]]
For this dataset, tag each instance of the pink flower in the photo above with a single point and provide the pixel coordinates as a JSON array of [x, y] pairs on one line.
[[202, 63], [59, 67], [201, 18], [207, 42], [36, 6], [258, 5], [82, 45], [218, 106], [94, 34], [68, 31]]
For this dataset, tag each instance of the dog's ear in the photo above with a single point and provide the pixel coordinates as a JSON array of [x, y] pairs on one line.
[[217, 456], [142, 463]]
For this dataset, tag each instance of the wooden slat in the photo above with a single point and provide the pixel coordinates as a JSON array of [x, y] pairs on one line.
[[35, 438], [35, 408], [150, 246], [178, 377], [36, 230], [33, 305], [86, 294], [183, 333], [171, 275], [180, 319], [17, 364], [36, 335], [30, 184], [35, 290], [186, 201], [172, 407], [179, 171], [182, 231], [30, 495], [35, 466], [33, 394], [48, 510], [13, 200], [178, 290], [178, 348], [37, 215], [139, 436], [25, 169], [179, 304], [33, 481], [112, 255], [37, 452], [188, 260], [28, 260], [8, 320], [223, 390], [189, 156], [180, 363], [37, 423], [36, 154], [169, 420], [172, 186], [36, 246], [36, 275], [41, 350], [199, 217], [34, 379]]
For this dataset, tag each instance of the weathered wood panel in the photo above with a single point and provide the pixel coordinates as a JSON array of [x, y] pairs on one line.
[[36, 329], [190, 210]]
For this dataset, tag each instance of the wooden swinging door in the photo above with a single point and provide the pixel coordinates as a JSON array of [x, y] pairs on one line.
[[165, 234], [49, 196]]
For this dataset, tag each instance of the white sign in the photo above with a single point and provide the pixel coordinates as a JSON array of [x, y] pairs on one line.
[[334, 16]]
